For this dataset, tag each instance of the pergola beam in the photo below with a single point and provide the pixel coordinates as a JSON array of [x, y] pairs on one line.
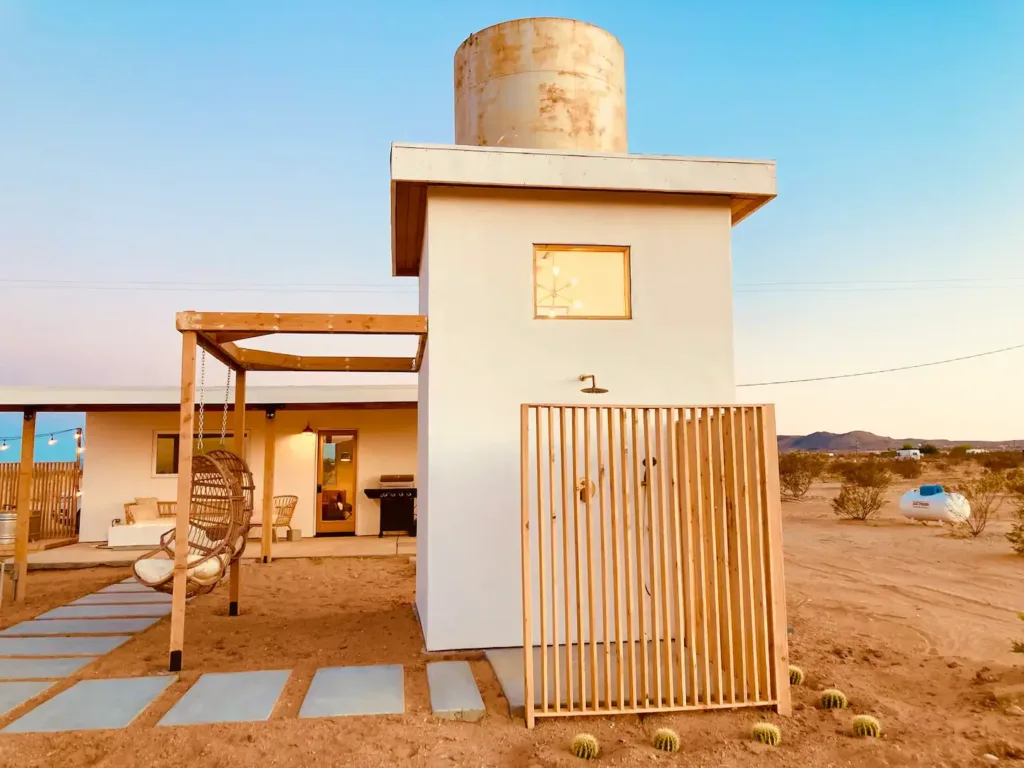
[[301, 322], [260, 360]]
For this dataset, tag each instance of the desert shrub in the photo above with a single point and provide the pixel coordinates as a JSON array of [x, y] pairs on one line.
[[907, 447], [838, 468], [798, 470], [863, 490], [958, 451], [1017, 646], [908, 469], [929, 450], [1000, 461], [1015, 490], [985, 494], [888, 454]]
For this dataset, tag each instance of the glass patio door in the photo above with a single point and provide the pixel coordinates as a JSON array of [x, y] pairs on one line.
[[336, 482]]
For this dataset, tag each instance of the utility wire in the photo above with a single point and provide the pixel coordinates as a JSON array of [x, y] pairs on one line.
[[885, 370]]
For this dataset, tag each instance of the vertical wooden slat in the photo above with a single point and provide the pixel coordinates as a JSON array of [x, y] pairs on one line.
[[617, 580], [544, 693], [721, 525], [711, 500], [184, 497], [581, 649], [566, 595], [524, 517], [663, 477], [774, 555], [627, 547], [755, 452], [738, 625], [554, 562], [269, 452], [749, 611], [594, 696], [698, 449], [684, 563], [650, 571], [636, 519], [601, 498]]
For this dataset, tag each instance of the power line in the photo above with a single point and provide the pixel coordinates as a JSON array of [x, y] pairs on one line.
[[174, 286], [886, 370]]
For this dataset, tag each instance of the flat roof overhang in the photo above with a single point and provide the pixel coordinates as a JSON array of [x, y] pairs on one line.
[[749, 184]]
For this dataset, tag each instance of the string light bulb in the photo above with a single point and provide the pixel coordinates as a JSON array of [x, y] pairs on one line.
[[52, 440], [3, 446]]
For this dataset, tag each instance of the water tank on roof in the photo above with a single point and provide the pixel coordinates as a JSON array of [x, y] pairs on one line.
[[541, 83]]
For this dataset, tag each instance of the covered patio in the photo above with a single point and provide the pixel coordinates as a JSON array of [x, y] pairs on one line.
[[218, 334]]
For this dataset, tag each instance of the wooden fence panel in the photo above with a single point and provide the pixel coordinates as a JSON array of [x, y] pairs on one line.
[[652, 559], [55, 486]]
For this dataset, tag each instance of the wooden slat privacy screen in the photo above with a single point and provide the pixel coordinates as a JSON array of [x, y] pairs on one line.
[[652, 560], [55, 487]]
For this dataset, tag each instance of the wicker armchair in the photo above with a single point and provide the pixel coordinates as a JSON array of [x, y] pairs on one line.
[[284, 508]]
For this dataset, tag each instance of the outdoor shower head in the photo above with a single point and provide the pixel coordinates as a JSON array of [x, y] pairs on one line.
[[593, 389]]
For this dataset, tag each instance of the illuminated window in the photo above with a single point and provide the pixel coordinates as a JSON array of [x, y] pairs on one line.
[[582, 282]]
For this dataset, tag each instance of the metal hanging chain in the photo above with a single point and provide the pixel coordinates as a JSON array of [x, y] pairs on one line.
[[224, 416], [202, 396]]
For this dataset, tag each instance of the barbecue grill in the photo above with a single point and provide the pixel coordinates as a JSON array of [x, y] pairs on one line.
[[397, 496]]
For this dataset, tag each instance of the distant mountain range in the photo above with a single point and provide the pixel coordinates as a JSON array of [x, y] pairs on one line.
[[867, 441]]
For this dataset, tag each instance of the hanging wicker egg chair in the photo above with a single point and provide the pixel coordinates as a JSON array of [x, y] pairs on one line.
[[239, 470], [215, 520]]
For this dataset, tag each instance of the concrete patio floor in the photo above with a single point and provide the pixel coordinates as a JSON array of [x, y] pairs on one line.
[[91, 554]]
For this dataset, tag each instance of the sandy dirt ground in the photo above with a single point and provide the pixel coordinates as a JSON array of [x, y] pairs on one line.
[[911, 623]]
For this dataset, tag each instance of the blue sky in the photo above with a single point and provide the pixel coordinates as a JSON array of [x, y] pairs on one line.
[[248, 142]]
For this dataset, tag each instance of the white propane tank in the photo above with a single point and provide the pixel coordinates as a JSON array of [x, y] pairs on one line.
[[934, 503]]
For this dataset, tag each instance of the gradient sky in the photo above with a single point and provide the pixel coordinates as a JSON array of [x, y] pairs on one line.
[[247, 142]]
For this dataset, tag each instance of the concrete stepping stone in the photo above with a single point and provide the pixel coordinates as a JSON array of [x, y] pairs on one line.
[[60, 646], [340, 691], [42, 669], [15, 694], [454, 694], [106, 611], [93, 705], [134, 586], [123, 598], [78, 627], [229, 697]]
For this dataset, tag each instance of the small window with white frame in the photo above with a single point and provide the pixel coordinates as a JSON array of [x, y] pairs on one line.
[[581, 282], [165, 449]]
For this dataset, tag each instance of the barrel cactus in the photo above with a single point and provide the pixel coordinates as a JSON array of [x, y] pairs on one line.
[[866, 725], [585, 746], [832, 698], [766, 733], [666, 740], [796, 675]]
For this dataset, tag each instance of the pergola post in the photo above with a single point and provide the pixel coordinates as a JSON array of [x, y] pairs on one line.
[[268, 484], [236, 566], [24, 508], [184, 499]]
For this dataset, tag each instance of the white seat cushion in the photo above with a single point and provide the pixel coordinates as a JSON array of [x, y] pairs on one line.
[[154, 570]]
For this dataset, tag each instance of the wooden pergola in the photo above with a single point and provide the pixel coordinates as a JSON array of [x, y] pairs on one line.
[[219, 333]]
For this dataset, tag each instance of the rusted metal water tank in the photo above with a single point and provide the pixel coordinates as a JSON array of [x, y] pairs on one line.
[[541, 83]]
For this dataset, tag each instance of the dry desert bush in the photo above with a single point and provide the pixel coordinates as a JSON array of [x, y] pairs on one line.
[[862, 493], [908, 469], [985, 494], [1015, 489], [798, 470]]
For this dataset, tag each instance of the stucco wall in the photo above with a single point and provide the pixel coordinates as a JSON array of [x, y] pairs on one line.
[[119, 460], [488, 356]]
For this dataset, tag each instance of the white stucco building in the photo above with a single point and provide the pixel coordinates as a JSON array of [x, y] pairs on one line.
[[546, 252]]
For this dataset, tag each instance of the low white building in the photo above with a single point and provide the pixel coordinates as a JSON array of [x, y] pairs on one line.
[[354, 434]]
